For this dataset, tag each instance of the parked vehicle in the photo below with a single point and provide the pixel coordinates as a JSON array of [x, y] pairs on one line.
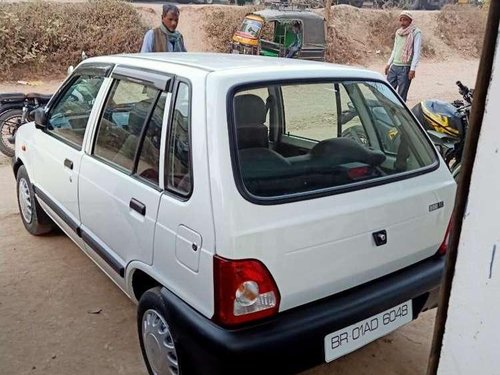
[[269, 33], [447, 125], [218, 193], [14, 111]]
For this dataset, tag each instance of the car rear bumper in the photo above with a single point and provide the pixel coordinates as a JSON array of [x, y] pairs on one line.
[[294, 340]]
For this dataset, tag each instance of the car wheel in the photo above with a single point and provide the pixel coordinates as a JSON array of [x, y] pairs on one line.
[[209, 1], [34, 218], [156, 336]]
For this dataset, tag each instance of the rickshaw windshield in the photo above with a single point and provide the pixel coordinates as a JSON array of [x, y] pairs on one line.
[[250, 26]]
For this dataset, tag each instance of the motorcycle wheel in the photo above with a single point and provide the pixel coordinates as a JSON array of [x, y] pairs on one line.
[[8, 125]]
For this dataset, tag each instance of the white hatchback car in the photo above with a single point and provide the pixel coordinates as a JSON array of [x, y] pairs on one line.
[[264, 213]]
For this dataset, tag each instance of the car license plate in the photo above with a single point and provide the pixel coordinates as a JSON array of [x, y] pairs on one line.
[[347, 340]]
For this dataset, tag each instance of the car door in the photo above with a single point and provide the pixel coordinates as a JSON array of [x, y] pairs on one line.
[[119, 183], [184, 239], [60, 144]]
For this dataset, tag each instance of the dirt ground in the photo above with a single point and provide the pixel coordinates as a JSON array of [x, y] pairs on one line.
[[59, 314]]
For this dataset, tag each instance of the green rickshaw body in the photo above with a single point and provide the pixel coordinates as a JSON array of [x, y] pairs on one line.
[[269, 33]]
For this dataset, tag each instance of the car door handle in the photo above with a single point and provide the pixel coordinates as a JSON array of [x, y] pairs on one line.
[[68, 163], [137, 206]]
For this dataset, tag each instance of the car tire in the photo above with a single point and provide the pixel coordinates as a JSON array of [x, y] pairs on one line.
[[8, 121], [159, 346], [34, 218]]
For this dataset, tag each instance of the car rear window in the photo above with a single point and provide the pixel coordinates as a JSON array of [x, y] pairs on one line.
[[294, 140]]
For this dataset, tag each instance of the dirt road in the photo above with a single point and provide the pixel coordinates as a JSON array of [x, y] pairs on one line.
[[59, 314]]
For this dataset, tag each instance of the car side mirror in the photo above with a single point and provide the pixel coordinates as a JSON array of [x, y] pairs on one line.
[[40, 118], [70, 70]]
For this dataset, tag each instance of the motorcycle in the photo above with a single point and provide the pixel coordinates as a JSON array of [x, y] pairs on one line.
[[16, 109], [447, 124]]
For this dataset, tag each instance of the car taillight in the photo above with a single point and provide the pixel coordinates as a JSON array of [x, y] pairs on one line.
[[244, 291], [444, 246], [357, 172]]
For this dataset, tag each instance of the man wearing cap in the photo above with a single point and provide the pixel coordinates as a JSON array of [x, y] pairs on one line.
[[400, 68], [165, 38]]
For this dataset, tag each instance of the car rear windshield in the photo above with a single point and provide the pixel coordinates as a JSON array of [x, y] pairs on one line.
[[297, 140]]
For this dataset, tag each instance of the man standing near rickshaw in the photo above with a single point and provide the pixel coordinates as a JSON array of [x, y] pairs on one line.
[[165, 38]]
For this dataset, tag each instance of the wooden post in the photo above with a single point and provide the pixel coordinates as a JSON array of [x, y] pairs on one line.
[[476, 118], [328, 12]]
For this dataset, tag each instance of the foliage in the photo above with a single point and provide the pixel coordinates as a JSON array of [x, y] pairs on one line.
[[47, 37], [462, 28]]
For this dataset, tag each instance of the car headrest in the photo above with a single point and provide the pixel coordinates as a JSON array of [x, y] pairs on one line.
[[249, 109], [250, 113], [346, 150], [251, 136]]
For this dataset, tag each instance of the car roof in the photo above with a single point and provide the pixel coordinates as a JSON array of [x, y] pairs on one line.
[[219, 62]]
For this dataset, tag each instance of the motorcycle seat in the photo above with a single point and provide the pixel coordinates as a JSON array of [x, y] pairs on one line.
[[42, 97], [12, 97]]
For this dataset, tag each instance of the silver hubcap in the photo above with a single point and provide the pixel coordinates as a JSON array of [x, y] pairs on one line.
[[159, 344], [25, 201]]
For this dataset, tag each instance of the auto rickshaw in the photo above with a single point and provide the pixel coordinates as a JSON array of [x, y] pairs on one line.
[[269, 33]]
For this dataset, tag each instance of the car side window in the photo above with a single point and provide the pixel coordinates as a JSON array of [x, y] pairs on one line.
[[126, 110], [149, 158], [69, 117], [178, 166]]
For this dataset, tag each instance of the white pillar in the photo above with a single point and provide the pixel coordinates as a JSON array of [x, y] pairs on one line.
[[471, 342]]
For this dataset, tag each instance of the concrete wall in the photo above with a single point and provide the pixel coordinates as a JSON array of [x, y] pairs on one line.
[[471, 343]]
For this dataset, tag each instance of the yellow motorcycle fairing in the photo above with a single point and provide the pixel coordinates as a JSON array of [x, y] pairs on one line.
[[439, 122]]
